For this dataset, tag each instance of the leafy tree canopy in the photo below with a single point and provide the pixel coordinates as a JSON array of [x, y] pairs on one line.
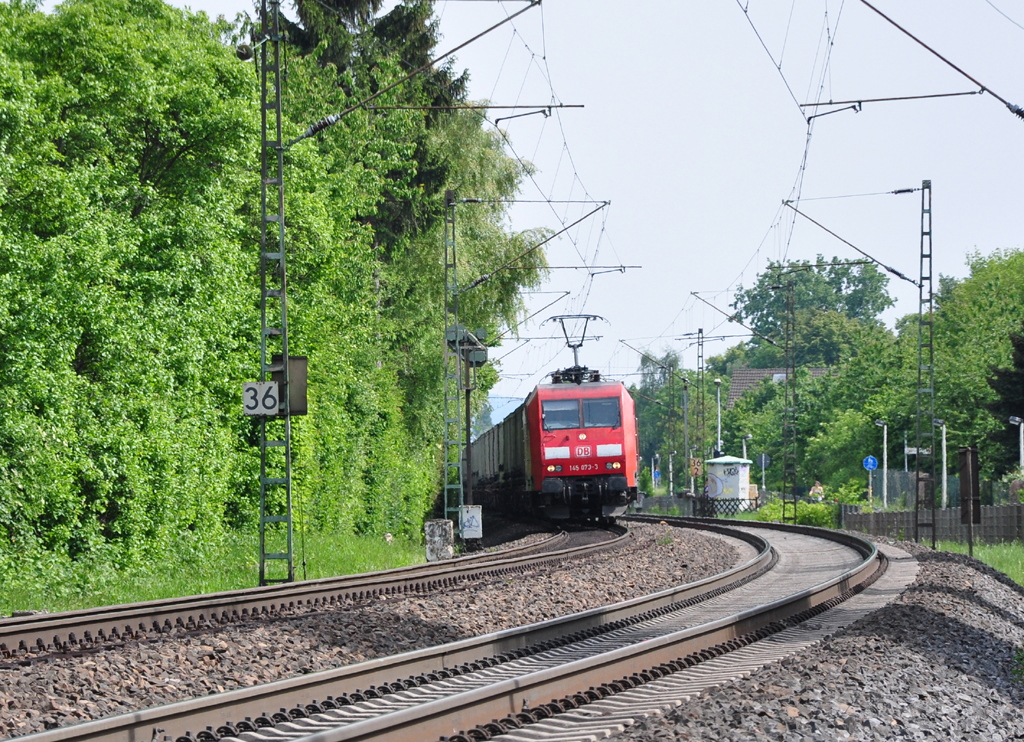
[[855, 291]]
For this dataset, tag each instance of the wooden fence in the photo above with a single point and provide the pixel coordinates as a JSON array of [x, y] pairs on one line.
[[998, 523]]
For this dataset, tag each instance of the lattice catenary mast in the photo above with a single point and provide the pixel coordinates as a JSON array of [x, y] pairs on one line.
[[275, 432], [924, 458]]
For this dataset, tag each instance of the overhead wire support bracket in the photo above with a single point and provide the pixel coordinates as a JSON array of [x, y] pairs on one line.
[[861, 101], [545, 111], [855, 108], [473, 107]]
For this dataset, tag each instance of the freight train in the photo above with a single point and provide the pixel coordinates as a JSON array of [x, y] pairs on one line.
[[569, 452]]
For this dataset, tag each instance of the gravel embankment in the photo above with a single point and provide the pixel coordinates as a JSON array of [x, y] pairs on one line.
[[66, 690], [936, 664]]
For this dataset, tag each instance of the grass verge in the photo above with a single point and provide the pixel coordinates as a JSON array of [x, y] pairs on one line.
[[1008, 558], [52, 584]]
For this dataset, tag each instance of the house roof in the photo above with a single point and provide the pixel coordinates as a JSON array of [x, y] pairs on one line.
[[745, 379], [728, 460]]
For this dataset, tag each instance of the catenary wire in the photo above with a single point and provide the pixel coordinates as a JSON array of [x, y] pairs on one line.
[[1015, 109], [1004, 15]]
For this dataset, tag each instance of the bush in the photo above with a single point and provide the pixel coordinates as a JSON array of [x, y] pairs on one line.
[[819, 514], [851, 493], [645, 482]]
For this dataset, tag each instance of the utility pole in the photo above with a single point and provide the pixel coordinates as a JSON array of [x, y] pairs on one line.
[[686, 430], [789, 412], [945, 482], [718, 403], [885, 461], [453, 440]]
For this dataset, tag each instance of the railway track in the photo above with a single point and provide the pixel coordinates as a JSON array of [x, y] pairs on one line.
[[26, 638], [582, 659]]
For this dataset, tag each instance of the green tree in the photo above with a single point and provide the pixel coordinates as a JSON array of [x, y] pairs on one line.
[[129, 226], [1008, 385], [855, 291], [833, 305]]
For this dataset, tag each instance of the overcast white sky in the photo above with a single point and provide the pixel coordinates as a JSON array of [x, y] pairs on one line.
[[694, 136]]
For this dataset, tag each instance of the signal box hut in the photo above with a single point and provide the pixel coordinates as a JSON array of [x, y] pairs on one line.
[[729, 478]]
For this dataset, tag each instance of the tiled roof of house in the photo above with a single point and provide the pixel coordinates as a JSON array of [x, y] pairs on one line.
[[745, 379]]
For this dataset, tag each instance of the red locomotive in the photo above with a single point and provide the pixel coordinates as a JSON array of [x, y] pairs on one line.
[[568, 452]]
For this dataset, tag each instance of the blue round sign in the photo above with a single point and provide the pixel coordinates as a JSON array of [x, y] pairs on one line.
[[870, 463]]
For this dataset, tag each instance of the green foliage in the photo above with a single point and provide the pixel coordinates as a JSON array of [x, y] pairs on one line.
[[852, 493], [820, 514], [1008, 386], [854, 291], [129, 233], [975, 326], [645, 480], [54, 582], [835, 306], [1018, 665], [1006, 557]]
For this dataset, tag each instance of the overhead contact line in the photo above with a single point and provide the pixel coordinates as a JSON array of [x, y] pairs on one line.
[[873, 259], [334, 118], [487, 276], [734, 318], [1015, 109]]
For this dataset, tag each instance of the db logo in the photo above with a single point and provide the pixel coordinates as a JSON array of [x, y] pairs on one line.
[[582, 451]]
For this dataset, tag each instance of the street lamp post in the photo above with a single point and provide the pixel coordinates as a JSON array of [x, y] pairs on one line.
[[745, 439], [686, 428], [885, 462], [1020, 427], [718, 401], [945, 484]]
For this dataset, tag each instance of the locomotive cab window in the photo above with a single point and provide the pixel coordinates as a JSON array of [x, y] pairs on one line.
[[560, 414], [601, 413]]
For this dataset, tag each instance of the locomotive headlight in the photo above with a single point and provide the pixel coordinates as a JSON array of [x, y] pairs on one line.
[[554, 467], [583, 436], [613, 465], [551, 467]]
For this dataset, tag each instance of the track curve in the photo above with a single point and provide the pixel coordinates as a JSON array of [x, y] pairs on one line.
[[91, 629], [468, 682]]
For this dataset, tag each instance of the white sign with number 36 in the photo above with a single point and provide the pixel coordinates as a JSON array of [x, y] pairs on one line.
[[260, 398]]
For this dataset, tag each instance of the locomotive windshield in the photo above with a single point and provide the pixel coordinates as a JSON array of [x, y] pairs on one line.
[[601, 413], [560, 414]]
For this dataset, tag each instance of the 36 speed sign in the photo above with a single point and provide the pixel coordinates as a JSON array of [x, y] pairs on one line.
[[260, 398]]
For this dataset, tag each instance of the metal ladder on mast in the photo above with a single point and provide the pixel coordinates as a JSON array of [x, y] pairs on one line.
[[924, 454], [275, 433]]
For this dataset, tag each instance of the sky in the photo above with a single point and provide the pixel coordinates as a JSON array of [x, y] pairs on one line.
[[692, 131]]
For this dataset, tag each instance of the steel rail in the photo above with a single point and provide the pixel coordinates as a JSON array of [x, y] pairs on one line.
[[175, 720], [447, 716], [91, 628]]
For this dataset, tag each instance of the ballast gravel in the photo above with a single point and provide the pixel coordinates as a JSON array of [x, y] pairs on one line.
[[62, 690], [936, 664]]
